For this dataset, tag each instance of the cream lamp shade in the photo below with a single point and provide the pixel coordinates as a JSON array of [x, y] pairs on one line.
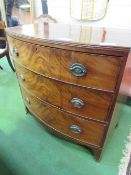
[[88, 9]]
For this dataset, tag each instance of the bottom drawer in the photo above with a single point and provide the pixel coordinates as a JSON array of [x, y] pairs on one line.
[[80, 130]]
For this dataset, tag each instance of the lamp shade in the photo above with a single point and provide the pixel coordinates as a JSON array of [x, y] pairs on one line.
[[88, 9]]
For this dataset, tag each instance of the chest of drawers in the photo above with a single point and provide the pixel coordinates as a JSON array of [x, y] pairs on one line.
[[68, 81]]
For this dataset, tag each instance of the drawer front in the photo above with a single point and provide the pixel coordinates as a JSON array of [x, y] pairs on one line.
[[22, 50], [81, 101], [74, 67], [79, 129]]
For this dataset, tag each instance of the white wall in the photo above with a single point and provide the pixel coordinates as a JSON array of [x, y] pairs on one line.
[[118, 13]]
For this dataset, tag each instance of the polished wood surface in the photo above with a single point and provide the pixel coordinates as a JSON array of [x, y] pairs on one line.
[[70, 78], [56, 63], [68, 33], [96, 103], [91, 132]]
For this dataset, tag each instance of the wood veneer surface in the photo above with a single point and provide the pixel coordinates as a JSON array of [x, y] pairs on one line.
[[91, 132], [102, 71], [96, 103]]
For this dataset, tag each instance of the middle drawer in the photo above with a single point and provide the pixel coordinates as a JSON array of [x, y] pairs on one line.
[[88, 103]]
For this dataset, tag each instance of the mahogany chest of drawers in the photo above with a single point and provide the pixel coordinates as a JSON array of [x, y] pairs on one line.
[[70, 78]]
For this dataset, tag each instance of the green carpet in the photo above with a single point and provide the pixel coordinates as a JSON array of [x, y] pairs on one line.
[[26, 148]]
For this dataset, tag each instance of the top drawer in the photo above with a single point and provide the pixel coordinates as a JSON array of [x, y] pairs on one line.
[[95, 71]]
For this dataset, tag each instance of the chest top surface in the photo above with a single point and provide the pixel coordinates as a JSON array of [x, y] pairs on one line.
[[73, 35]]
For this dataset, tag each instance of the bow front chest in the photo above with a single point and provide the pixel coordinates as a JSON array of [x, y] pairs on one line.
[[70, 78]]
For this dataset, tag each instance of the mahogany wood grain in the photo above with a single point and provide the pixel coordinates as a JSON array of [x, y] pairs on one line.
[[91, 132], [75, 37], [96, 103], [102, 71]]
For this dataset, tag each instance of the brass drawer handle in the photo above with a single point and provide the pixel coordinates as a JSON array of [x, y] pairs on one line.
[[77, 103], [21, 76], [15, 51], [27, 100], [78, 70], [75, 129]]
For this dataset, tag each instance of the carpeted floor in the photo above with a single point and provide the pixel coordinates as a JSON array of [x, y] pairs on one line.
[[26, 148]]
